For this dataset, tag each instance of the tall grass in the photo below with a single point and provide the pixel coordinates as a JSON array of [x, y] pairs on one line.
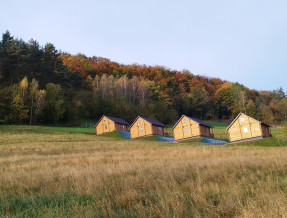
[[58, 174]]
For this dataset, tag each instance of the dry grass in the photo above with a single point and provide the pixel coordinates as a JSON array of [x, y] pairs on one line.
[[57, 174]]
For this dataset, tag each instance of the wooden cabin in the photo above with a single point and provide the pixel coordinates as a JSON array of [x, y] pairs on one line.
[[188, 127], [244, 127], [145, 126], [109, 124]]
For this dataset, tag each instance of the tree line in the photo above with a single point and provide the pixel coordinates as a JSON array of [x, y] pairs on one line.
[[39, 84]]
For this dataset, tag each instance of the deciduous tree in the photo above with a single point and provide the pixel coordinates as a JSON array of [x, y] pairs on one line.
[[54, 102]]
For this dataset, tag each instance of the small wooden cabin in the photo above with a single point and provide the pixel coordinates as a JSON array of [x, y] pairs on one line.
[[245, 127], [109, 124], [188, 127], [145, 126]]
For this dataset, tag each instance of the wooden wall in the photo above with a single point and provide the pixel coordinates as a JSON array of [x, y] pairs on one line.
[[244, 127], [205, 131], [105, 125], [265, 130], [121, 127], [157, 130], [141, 128], [186, 128]]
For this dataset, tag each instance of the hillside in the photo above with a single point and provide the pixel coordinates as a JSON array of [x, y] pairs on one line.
[[41, 85]]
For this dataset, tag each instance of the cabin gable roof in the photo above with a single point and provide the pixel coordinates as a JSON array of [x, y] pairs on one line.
[[236, 118], [151, 121], [195, 120], [114, 119], [154, 122], [118, 120]]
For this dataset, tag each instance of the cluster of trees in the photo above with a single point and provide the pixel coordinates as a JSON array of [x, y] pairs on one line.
[[26, 103], [122, 97], [69, 88], [194, 95]]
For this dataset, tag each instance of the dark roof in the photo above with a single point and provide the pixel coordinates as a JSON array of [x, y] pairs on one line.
[[200, 122], [195, 120], [118, 120], [247, 116], [153, 122]]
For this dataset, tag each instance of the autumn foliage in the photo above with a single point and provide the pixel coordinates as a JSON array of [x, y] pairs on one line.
[[92, 86]]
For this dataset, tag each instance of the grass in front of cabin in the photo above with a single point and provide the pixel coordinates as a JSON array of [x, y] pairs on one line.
[[49, 173], [265, 142], [115, 135], [192, 141]]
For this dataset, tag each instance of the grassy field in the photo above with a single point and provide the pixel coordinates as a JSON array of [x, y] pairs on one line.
[[48, 172]]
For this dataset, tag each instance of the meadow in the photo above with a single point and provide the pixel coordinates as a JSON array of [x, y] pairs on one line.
[[57, 172]]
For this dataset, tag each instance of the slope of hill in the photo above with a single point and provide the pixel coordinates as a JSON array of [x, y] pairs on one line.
[[41, 85]]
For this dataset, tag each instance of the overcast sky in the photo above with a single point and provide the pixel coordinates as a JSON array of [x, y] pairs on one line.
[[242, 41]]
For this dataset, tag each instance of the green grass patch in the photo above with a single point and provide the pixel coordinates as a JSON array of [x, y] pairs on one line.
[[38, 205], [72, 129], [220, 131], [20, 129], [169, 131], [115, 135], [279, 133]]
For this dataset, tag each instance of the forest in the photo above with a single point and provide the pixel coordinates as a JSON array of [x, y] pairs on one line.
[[41, 85]]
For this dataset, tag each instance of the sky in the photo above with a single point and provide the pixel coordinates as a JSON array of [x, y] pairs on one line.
[[241, 41]]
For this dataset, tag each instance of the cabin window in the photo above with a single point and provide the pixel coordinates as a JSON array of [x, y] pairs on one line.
[[242, 119], [123, 126], [245, 130], [106, 127], [141, 129], [139, 122], [186, 130], [184, 120], [206, 130], [159, 129], [104, 120]]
